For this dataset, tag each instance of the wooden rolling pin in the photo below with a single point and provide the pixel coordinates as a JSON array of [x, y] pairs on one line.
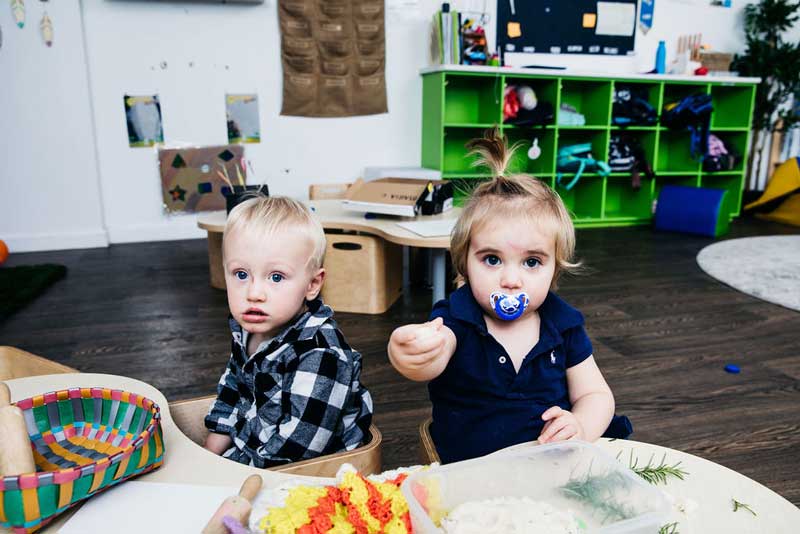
[[16, 456], [235, 506]]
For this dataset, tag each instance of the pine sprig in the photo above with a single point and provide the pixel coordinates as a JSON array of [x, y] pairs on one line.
[[737, 505], [598, 493], [669, 528], [656, 474]]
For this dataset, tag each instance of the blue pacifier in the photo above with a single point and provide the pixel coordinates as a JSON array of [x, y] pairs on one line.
[[508, 307]]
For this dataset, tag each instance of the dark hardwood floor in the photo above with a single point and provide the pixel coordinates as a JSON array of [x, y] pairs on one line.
[[662, 330]]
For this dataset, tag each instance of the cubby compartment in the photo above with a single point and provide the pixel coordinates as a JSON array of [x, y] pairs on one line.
[[736, 145], [472, 100], [632, 92], [585, 199], [625, 202], [645, 140], [674, 92], [732, 183], [524, 137], [674, 152], [729, 101], [592, 99], [455, 158], [545, 91], [598, 139]]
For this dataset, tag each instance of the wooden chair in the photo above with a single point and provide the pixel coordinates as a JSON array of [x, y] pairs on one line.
[[327, 191], [16, 363], [189, 414], [427, 450]]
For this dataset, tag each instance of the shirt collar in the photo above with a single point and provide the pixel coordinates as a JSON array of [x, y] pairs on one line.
[[305, 325], [560, 315]]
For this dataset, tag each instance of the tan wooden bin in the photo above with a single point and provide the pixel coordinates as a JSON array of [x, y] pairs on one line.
[[363, 273], [189, 414]]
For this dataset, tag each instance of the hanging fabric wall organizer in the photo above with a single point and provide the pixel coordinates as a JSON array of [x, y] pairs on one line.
[[333, 57]]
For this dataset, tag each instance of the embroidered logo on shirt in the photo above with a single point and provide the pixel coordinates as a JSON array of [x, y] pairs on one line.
[[553, 357]]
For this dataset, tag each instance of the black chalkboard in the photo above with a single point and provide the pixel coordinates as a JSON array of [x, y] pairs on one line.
[[556, 26]]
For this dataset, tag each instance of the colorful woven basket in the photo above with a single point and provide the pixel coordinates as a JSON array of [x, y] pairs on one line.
[[85, 440]]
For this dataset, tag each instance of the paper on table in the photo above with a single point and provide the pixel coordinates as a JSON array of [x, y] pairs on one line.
[[615, 18], [430, 228], [129, 509]]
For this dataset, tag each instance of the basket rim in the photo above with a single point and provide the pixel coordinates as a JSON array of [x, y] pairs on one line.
[[70, 474]]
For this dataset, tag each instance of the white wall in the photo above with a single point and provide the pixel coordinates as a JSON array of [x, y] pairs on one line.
[[209, 49], [233, 48], [49, 188]]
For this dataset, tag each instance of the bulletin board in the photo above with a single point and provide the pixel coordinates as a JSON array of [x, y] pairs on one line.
[[567, 26]]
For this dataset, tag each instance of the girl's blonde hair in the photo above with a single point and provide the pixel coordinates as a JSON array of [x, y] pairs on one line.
[[511, 195], [270, 215]]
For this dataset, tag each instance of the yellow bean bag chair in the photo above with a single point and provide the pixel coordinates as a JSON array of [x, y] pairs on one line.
[[781, 201]]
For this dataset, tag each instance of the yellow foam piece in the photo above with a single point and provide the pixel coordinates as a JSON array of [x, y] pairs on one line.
[[788, 212], [785, 181]]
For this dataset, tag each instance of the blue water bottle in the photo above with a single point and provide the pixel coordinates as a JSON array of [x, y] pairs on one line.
[[661, 58]]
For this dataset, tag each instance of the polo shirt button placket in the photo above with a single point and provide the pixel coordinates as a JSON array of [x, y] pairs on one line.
[[501, 359]]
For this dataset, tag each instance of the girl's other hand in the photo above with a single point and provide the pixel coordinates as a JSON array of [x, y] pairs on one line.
[[560, 425]]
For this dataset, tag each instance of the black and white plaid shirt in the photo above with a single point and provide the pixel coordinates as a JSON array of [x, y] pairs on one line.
[[299, 396]]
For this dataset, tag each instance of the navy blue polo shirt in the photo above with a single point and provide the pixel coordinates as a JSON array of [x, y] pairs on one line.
[[480, 403]]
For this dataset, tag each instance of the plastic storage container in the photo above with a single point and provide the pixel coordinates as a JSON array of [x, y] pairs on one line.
[[604, 495]]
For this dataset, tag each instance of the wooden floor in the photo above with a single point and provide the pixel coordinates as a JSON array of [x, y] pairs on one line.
[[662, 330]]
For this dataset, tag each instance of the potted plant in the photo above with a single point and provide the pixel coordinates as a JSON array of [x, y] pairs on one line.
[[777, 62]]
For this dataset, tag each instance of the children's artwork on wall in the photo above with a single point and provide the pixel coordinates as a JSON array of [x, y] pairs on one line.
[[18, 10], [143, 114], [47, 29], [197, 178], [242, 116]]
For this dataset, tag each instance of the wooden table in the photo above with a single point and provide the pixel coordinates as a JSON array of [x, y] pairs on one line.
[[710, 486], [333, 216]]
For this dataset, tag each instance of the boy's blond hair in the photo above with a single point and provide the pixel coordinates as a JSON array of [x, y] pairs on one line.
[[507, 196], [269, 215]]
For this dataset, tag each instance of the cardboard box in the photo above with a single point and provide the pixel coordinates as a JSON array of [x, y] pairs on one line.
[[407, 197], [419, 173]]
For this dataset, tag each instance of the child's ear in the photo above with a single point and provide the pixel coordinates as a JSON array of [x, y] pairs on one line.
[[315, 284]]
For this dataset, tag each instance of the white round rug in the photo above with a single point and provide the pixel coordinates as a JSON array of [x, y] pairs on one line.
[[764, 267]]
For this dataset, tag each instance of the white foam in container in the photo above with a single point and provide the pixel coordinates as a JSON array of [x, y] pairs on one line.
[[600, 491]]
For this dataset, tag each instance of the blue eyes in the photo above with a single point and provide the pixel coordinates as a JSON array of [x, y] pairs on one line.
[[274, 277], [494, 261]]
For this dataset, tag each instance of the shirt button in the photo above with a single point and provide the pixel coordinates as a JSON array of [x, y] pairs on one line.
[[502, 359]]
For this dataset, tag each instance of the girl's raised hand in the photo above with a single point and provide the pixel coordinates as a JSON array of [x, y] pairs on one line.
[[415, 345]]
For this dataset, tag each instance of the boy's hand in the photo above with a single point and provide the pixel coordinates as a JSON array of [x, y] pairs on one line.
[[414, 346], [560, 425]]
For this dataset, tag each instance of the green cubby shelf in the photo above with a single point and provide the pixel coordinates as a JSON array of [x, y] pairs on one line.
[[460, 103], [730, 182]]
